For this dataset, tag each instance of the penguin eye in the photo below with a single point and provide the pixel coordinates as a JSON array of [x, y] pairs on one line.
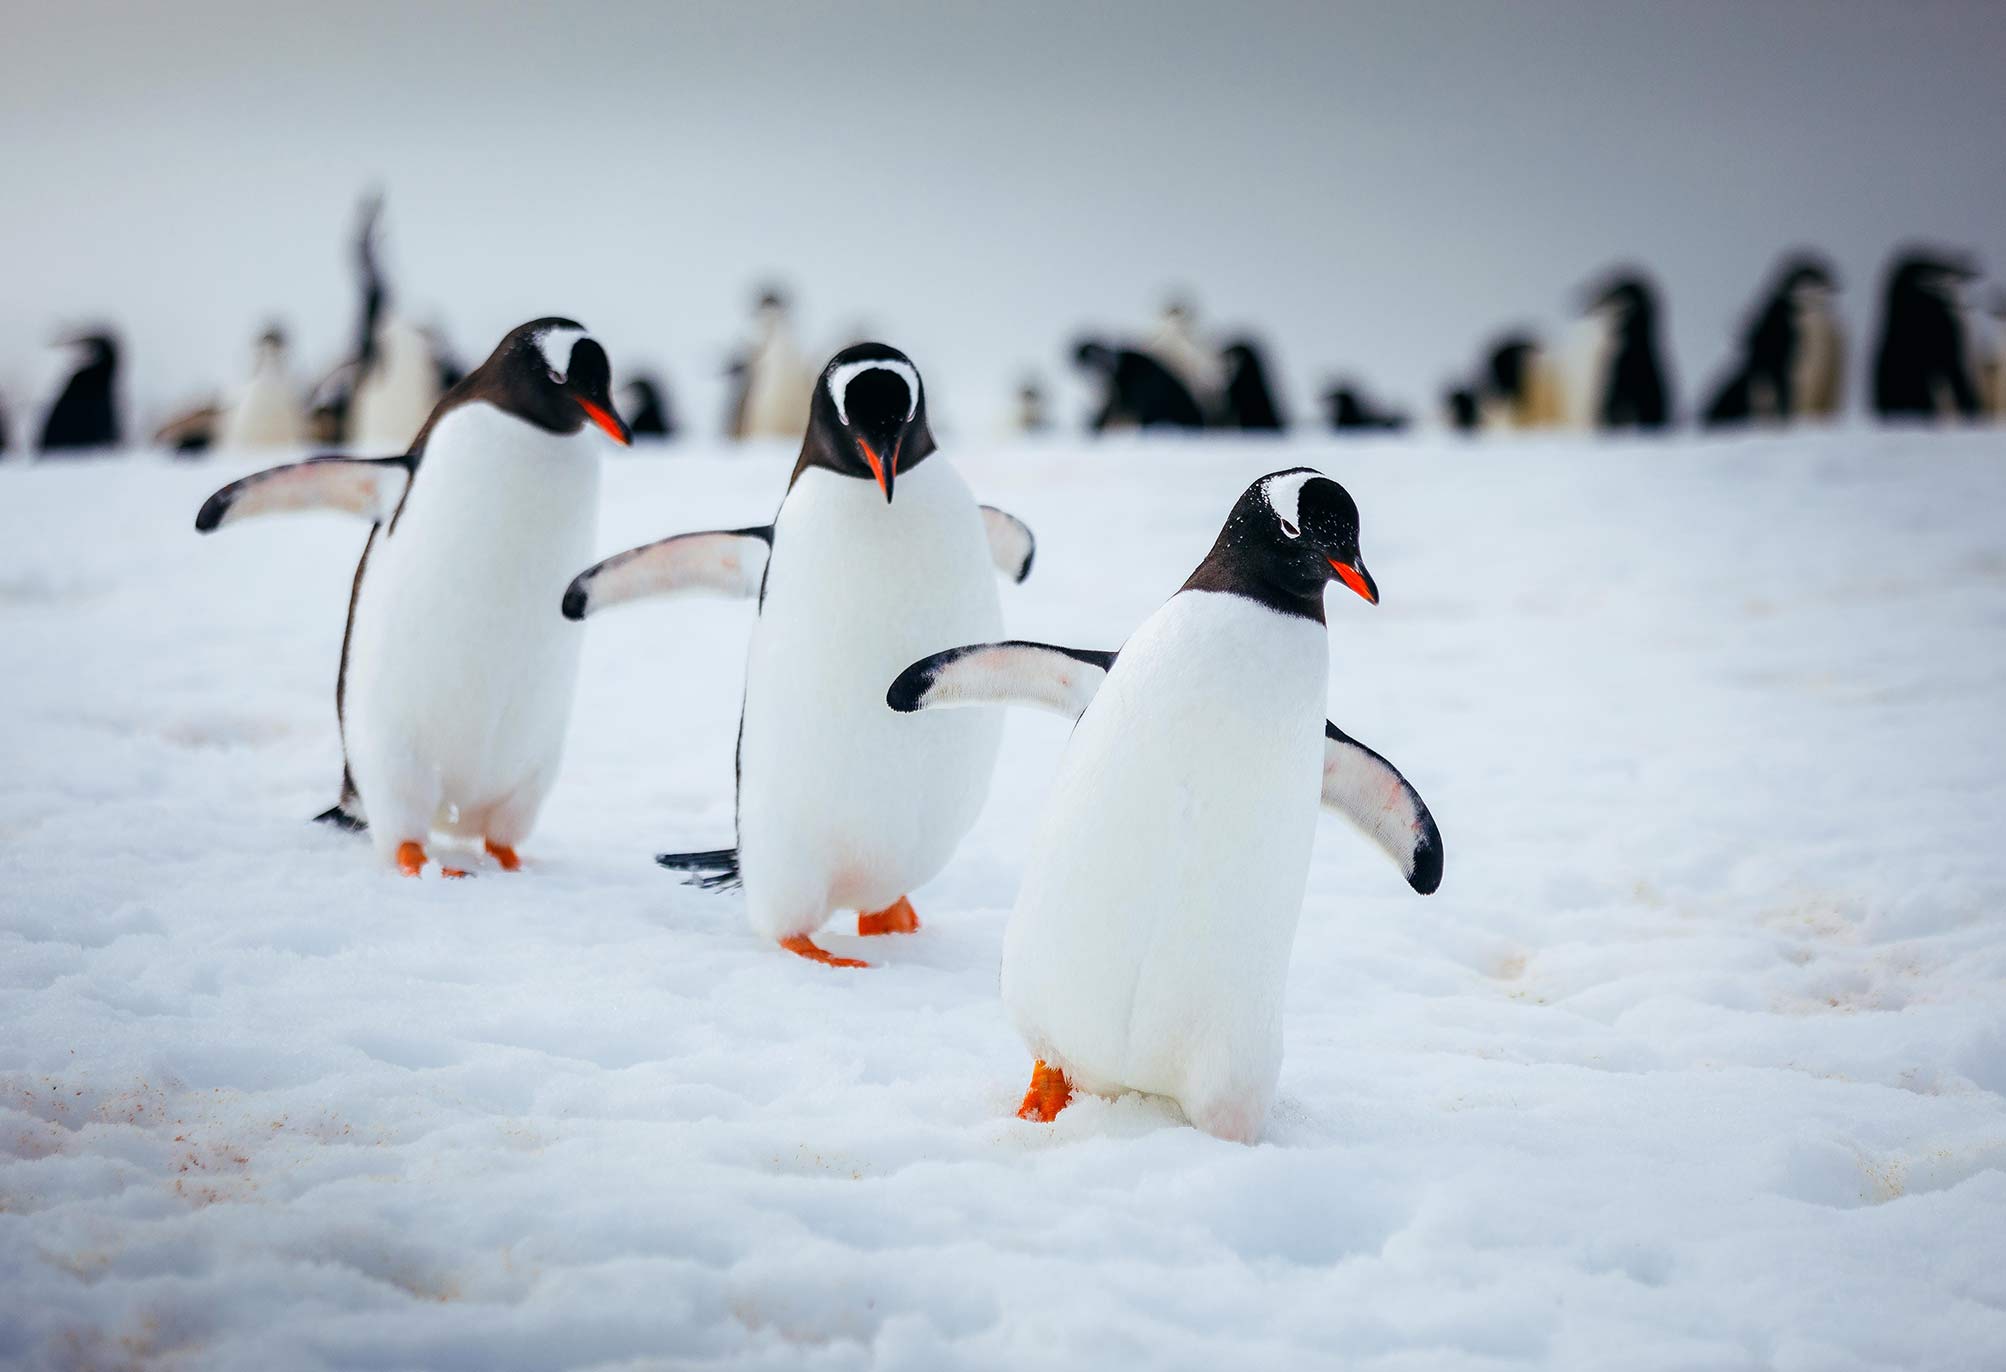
[[556, 377], [1291, 530]]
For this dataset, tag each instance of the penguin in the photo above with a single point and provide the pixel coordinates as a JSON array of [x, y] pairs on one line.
[[85, 414], [1921, 367], [646, 409], [1029, 416], [1626, 384], [771, 380], [1202, 368], [268, 413], [1792, 352], [396, 393], [1150, 939], [1350, 410], [1520, 388], [1250, 400], [1137, 391], [878, 555], [456, 677]]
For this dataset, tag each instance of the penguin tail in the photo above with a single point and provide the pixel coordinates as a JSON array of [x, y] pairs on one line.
[[341, 818], [716, 870]]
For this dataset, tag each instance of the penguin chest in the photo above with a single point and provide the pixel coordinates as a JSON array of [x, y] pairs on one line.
[[841, 800], [1150, 941], [461, 665]]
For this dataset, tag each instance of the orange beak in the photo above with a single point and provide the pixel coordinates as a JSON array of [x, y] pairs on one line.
[[881, 469], [607, 420], [1357, 580]]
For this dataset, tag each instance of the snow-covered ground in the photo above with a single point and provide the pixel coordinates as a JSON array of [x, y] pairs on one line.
[[1697, 1060]]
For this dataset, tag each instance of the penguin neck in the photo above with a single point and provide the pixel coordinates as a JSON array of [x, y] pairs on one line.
[[819, 449], [1233, 567]]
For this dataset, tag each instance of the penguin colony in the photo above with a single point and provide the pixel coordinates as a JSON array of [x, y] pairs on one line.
[[1165, 884], [1937, 358]]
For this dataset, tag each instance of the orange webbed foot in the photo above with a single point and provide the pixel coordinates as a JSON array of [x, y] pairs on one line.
[[503, 854], [410, 858], [802, 946], [1050, 1093], [896, 918]]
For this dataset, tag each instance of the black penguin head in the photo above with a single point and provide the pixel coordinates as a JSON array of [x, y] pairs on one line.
[[1090, 354], [1290, 534], [1508, 363], [1806, 274], [1933, 273], [1626, 297], [868, 416], [94, 349], [554, 375]]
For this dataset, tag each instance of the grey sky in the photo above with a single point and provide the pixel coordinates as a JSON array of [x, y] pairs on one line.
[[1377, 187]]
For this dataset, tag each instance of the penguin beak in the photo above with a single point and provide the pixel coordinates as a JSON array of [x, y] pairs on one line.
[[615, 427], [1356, 577], [884, 471]]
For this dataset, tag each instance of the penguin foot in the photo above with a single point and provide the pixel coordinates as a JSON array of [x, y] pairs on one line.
[[1050, 1093], [802, 946], [503, 854], [896, 918], [454, 872], [410, 858]]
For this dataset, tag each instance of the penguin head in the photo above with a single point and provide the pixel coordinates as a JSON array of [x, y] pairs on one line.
[[1625, 299], [551, 373], [868, 417], [1941, 275], [1298, 531], [1807, 277], [93, 349]]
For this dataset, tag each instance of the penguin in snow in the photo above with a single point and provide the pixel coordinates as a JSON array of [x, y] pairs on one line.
[[878, 555], [1150, 940], [268, 413], [1792, 362], [770, 379], [456, 679], [1625, 381], [1922, 368], [85, 414]]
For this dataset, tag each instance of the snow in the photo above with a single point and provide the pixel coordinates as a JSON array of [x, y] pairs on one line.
[[1696, 1060]]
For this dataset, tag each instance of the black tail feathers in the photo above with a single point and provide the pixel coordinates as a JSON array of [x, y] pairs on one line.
[[340, 818], [716, 870]]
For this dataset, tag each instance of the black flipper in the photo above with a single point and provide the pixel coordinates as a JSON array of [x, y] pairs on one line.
[[715, 870], [346, 813]]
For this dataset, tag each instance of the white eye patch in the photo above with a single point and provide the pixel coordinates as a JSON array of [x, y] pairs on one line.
[[841, 377], [556, 343], [1285, 496]]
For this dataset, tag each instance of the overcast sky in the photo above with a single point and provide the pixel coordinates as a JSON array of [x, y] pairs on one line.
[[1374, 187]]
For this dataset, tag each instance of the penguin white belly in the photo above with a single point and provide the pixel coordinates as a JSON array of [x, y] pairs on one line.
[[1813, 370], [461, 668], [844, 804], [1149, 947], [267, 415], [393, 402]]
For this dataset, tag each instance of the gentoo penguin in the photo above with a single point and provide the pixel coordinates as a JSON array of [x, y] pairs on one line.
[[1350, 410], [1151, 935], [1626, 385], [1202, 368], [770, 398], [878, 555], [646, 409], [395, 394], [1250, 400], [1519, 389], [268, 413], [456, 677], [1921, 368], [1137, 391], [85, 414], [1792, 352]]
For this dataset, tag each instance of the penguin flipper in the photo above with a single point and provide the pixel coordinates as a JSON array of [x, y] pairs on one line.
[[1370, 792], [715, 870], [729, 562], [367, 486], [1062, 680], [1011, 546]]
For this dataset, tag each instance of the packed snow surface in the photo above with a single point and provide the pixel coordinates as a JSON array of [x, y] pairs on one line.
[[1695, 1061]]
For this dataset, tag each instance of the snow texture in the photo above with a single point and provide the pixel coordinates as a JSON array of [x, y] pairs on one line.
[[1696, 1060]]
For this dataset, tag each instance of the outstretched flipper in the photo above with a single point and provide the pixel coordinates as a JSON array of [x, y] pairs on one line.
[[366, 486], [1370, 792], [715, 870], [730, 562], [1011, 546], [1062, 680]]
